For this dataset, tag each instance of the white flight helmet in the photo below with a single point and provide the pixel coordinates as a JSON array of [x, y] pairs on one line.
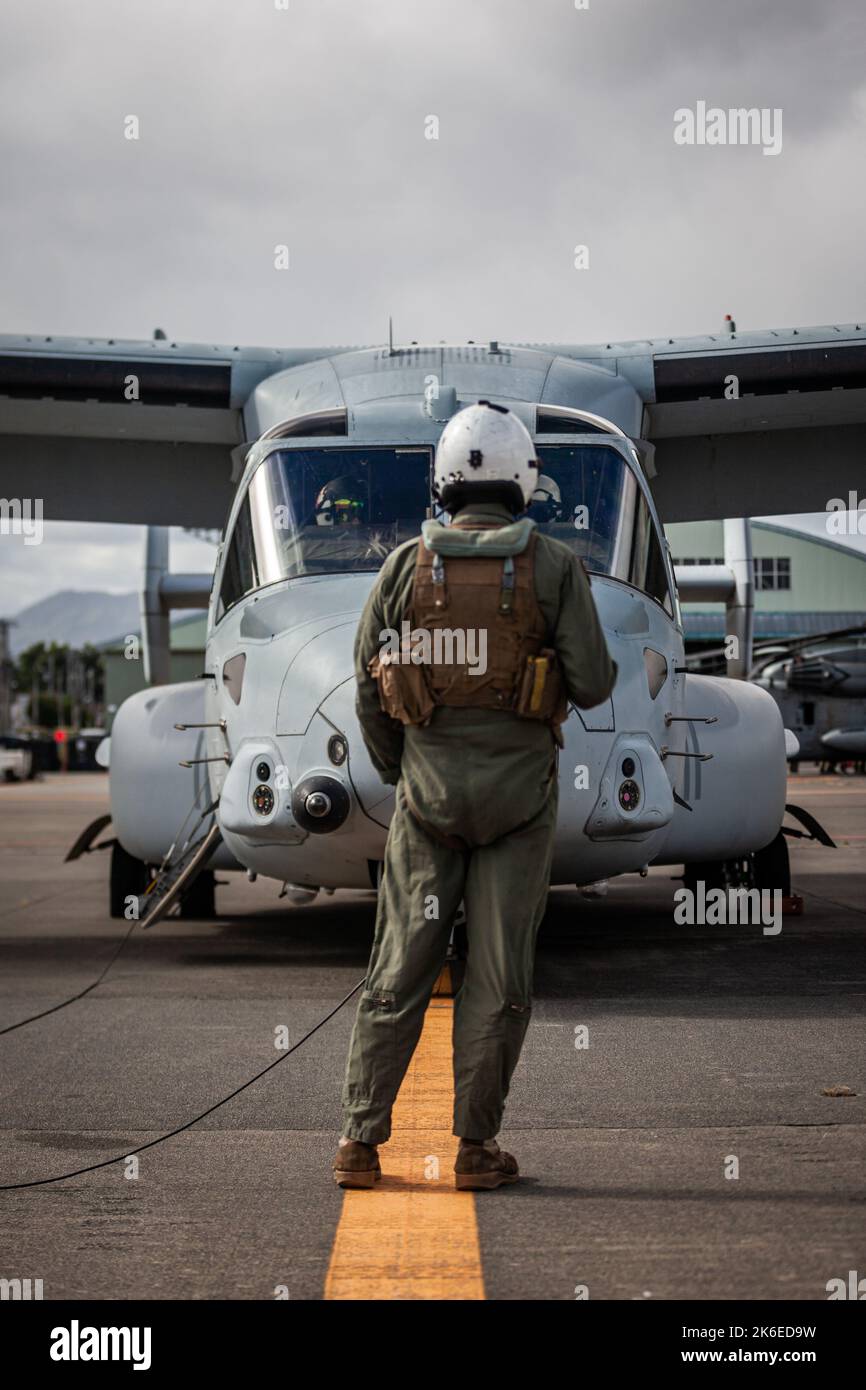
[[545, 503], [485, 450]]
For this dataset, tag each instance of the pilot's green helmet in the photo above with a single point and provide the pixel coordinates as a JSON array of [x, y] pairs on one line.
[[342, 502]]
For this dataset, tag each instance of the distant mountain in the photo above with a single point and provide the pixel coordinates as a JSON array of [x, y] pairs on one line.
[[74, 617]]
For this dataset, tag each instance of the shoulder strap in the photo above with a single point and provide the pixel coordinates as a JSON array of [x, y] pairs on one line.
[[506, 589], [429, 563]]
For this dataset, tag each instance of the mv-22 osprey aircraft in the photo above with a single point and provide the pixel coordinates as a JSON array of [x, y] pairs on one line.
[[260, 763]]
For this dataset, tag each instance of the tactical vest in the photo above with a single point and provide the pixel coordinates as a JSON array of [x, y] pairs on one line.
[[458, 603]]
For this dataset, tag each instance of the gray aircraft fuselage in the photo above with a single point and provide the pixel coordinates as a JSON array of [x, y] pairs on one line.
[[279, 666]]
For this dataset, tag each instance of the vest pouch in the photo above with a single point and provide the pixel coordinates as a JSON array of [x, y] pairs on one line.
[[404, 693], [542, 690]]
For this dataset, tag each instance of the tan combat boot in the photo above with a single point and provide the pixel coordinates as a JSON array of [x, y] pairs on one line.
[[484, 1165], [356, 1165]]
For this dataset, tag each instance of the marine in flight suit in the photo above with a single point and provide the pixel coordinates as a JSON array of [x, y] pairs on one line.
[[474, 820]]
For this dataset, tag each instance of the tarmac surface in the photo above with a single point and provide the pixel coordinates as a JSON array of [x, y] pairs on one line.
[[706, 1045]]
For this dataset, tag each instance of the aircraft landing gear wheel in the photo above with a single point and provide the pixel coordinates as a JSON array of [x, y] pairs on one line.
[[199, 901], [771, 866], [129, 877], [763, 868], [712, 875]]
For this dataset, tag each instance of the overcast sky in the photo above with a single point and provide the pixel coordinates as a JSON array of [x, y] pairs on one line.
[[306, 126]]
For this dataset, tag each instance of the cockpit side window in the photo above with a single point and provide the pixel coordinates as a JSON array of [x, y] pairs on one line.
[[240, 573], [655, 578]]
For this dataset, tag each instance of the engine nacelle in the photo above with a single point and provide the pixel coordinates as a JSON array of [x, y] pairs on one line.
[[151, 795], [737, 799]]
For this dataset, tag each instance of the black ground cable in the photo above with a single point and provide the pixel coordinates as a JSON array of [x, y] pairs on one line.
[[151, 1143], [55, 1008]]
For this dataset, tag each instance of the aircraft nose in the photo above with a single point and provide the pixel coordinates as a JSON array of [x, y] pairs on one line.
[[321, 663]]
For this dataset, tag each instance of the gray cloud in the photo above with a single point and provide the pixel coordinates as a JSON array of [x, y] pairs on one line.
[[307, 127]]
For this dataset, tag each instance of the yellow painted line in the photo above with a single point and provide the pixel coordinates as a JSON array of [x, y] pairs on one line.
[[413, 1236]]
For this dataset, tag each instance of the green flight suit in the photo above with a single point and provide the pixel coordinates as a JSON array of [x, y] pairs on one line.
[[482, 786]]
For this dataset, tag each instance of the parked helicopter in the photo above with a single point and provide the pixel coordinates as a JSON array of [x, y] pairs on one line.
[[819, 684], [260, 763]]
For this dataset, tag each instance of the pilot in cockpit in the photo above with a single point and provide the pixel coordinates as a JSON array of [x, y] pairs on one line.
[[342, 502], [341, 534], [545, 504], [566, 521]]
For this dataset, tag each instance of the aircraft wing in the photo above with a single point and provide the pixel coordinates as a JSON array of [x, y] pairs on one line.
[[742, 424], [747, 424], [142, 432]]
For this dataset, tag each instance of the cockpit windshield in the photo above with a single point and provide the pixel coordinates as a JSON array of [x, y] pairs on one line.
[[589, 498], [332, 509], [318, 511]]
